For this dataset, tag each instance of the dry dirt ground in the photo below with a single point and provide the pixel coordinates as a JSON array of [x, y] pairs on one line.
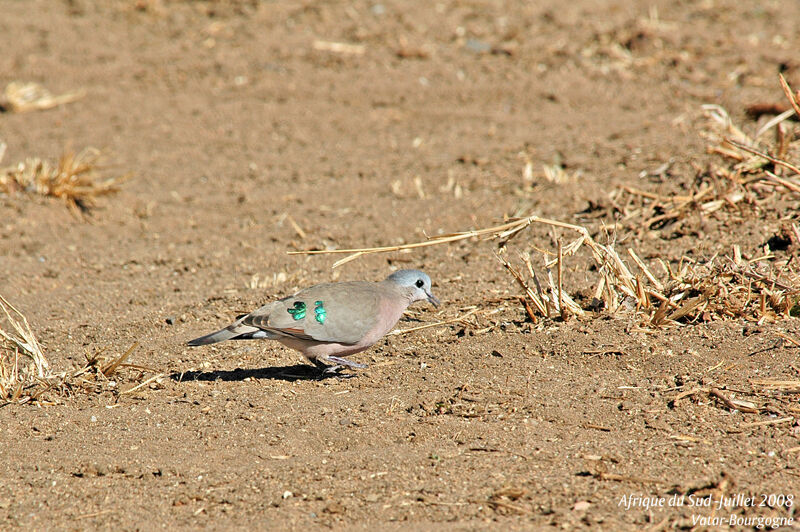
[[247, 136]]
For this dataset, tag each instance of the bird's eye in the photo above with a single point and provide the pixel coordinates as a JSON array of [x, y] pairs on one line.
[[420, 283]]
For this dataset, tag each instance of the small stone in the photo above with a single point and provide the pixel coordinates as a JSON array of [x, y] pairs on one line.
[[170, 320], [581, 506], [287, 494]]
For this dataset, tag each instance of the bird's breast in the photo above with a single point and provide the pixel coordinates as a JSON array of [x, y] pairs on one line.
[[388, 315]]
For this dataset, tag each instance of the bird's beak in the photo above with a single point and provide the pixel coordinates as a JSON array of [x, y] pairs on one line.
[[433, 299]]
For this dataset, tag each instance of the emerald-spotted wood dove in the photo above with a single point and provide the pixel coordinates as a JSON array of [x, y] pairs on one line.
[[328, 321]]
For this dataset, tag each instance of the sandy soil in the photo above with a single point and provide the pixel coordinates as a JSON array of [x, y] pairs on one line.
[[237, 127]]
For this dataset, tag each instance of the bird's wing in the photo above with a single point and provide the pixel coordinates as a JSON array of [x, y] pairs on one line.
[[330, 312]]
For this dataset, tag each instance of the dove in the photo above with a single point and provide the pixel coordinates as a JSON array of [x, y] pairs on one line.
[[328, 321]]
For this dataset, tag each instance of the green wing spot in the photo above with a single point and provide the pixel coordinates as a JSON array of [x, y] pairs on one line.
[[299, 310], [319, 312]]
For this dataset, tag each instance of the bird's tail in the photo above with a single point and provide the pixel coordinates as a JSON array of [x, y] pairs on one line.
[[220, 336], [235, 331]]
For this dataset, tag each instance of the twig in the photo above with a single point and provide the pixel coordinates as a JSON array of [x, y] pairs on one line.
[[687, 393], [22, 97], [596, 427], [646, 270], [503, 231], [763, 155], [437, 324], [94, 514], [730, 403], [532, 296], [296, 227], [141, 384], [778, 385], [781, 181], [528, 309], [788, 338], [541, 298], [787, 419], [561, 308], [110, 368], [788, 91], [774, 121], [690, 439], [493, 450]]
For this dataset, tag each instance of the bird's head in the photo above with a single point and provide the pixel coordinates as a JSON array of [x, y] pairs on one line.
[[417, 283]]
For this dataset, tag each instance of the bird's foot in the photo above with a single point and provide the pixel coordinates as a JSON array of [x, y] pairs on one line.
[[335, 370], [348, 363]]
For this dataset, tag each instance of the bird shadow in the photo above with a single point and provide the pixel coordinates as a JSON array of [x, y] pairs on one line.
[[296, 372]]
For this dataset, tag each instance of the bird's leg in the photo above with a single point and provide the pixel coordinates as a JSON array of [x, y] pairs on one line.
[[345, 362], [326, 369], [322, 366], [338, 365]]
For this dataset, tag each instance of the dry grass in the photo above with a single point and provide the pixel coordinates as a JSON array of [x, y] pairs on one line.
[[26, 377], [103, 373], [75, 179], [754, 173], [18, 345], [735, 286], [756, 287], [21, 97], [503, 232]]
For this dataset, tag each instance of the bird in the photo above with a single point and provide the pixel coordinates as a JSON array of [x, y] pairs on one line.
[[328, 321]]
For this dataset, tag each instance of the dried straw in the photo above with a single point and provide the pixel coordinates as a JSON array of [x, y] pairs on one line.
[[29, 383], [21, 97], [74, 179], [504, 232], [20, 339]]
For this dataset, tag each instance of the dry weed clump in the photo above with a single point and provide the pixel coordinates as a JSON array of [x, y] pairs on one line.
[[18, 345], [74, 179], [723, 287], [638, 43], [26, 377], [754, 172], [729, 287], [21, 97], [756, 289], [103, 373]]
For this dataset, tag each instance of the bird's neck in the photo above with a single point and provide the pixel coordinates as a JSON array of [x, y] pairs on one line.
[[405, 293]]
